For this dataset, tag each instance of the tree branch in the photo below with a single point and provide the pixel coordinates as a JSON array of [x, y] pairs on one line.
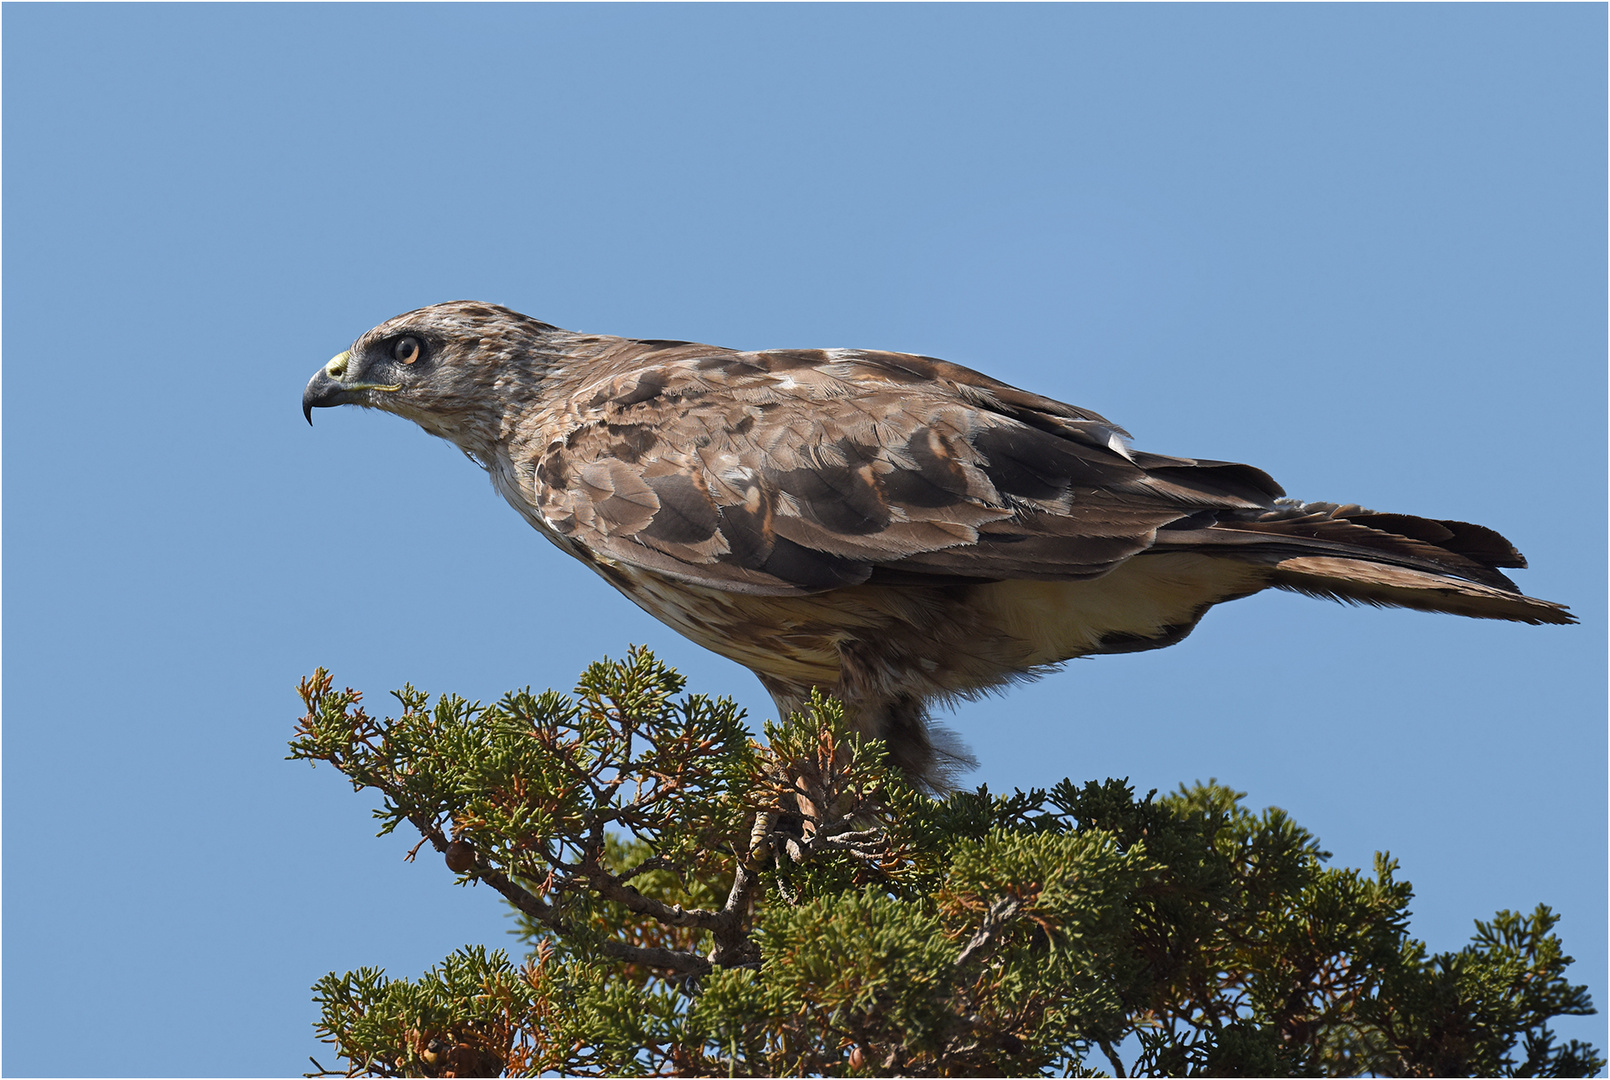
[[678, 960], [1112, 1057], [528, 902], [998, 915], [611, 887]]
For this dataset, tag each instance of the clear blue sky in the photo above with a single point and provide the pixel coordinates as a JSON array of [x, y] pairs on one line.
[[1361, 247]]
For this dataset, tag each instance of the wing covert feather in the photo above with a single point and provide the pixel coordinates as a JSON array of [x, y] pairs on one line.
[[799, 471]]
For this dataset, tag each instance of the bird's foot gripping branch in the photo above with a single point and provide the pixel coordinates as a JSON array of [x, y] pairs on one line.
[[698, 903]]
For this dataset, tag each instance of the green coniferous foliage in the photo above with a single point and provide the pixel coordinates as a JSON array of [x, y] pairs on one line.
[[695, 902]]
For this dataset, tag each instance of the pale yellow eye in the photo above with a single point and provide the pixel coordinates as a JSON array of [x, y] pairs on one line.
[[406, 351]]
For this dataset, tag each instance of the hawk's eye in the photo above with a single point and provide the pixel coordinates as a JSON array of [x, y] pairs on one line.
[[406, 351]]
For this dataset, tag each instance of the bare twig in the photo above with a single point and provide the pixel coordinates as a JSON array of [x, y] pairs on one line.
[[677, 960], [529, 903], [654, 862], [611, 887], [998, 915]]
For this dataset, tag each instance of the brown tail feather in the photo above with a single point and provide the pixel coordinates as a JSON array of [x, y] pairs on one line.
[[1349, 553], [1365, 582]]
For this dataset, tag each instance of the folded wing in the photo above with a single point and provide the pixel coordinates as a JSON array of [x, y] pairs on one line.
[[790, 472]]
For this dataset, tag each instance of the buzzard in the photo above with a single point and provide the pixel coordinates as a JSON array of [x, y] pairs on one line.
[[893, 529]]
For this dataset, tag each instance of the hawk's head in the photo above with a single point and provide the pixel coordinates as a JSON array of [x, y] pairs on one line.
[[442, 367]]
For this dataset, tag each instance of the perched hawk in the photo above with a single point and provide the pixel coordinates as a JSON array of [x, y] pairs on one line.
[[894, 529]]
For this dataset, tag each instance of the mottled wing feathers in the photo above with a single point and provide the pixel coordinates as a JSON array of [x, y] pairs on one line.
[[800, 471]]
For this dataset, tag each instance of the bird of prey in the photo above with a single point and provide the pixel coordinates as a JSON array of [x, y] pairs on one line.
[[893, 529]]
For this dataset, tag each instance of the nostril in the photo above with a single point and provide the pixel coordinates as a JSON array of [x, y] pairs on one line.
[[337, 366]]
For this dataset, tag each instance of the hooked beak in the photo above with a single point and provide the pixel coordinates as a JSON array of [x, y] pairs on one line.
[[326, 388]]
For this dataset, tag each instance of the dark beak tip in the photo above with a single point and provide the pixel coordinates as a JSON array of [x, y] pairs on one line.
[[321, 391]]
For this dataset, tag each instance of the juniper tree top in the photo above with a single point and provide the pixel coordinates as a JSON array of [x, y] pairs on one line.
[[698, 903]]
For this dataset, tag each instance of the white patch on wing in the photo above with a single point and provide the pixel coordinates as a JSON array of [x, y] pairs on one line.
[[1118, 445]]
